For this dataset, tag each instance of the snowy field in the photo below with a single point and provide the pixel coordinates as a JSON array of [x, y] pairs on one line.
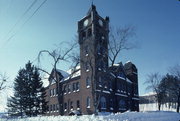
[[154, 107], [128, 116]]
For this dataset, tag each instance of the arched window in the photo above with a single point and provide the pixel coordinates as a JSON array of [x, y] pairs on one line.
[[111, 104], [122, 105], [100, 81], [86, 50], [88, 102], [88, 81], [103, 103], [87, 66], [83, 35], [89, 32]]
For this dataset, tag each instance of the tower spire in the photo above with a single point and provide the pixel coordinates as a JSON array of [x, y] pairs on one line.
[[92, 2]]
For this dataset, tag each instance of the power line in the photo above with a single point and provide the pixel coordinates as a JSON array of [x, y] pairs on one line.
[[19, 20], [27, 18]]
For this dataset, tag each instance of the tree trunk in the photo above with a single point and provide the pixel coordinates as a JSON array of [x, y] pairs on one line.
[[178, 102], [159, 106]]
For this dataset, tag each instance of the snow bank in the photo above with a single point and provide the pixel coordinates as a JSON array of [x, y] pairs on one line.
[[128, 116]]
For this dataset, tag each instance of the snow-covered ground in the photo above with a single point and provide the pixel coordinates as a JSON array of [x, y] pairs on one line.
[[154, 107], [127, 116]]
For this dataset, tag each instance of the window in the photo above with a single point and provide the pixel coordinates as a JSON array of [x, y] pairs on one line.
[[103, 102], [54, 107], [51, 108], [78, 104], [74, 87], [84, 35], [110, 85], [122, 105], [65, 106], [71, 105], [69, 88], [48, 108], [99, 65], [100, 81], [111, 104], [54, 92], [50, 92], [89, 32], [57, 107], [119, 86], [87, 82], [99, 49], [86, 49], [87, 66], [64, 89], [102, 37], [77, 86], [88, 101]]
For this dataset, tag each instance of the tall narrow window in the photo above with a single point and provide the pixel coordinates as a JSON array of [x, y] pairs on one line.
[[88, 102], [65, 106], [84, 35], [54, 107], [71, 105], [50, 92], [87, 82], [74, 87], [69, 88], [89, 32], [103, 102], [65, 89], [86, 50], [122, 105], [56, 91], [100, 81], [87, 66], [111, 104], [78, 104], [57, 107], [77, 86], [51, 108]]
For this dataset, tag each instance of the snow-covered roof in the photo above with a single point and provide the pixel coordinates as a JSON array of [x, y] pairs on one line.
[[128, 80], [72, 73], [128, 61], [116, 64], [63, 73]]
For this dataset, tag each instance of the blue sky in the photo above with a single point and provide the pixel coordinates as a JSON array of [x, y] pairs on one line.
[[157, 24]]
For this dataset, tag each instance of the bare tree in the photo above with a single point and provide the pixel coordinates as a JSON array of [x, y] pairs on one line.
[[120, 39], [153, 83], [176, 72], [3, 80], [58, 55]]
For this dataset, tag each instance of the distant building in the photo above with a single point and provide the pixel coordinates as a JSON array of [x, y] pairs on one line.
[[94, 87]]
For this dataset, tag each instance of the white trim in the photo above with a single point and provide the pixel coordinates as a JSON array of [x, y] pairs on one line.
[[106, 92], [121, 95], [119, 77]]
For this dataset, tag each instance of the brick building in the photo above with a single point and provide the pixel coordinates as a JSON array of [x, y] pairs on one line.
[[94, 86]]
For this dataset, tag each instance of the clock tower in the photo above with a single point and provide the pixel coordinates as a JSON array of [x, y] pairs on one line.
[[93, 33]]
